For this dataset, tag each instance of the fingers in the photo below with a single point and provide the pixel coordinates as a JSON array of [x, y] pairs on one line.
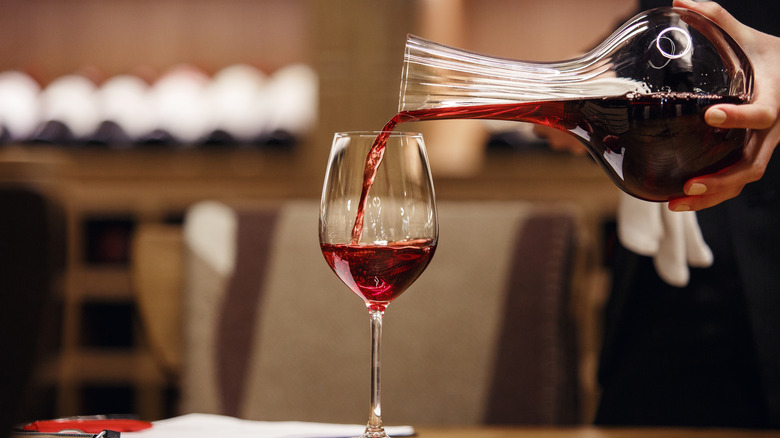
[[750, 116], [709, 190], [696, 203], [714, 12]]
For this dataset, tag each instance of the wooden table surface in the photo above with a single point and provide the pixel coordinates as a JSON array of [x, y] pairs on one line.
[[589, 432]]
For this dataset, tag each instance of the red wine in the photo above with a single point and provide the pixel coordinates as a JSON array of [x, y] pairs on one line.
[[648, 144], [373, 160], [379, 273]]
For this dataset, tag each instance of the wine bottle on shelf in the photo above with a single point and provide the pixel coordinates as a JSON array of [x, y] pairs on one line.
[[69, 111], [110, 134], [19, 106], [236, 104], [180, 107], [125, 111], [293, 93]]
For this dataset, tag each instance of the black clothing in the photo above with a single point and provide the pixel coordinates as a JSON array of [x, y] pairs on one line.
[[707, 354]]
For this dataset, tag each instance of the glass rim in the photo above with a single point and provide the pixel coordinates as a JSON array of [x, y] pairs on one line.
[[376, 133]]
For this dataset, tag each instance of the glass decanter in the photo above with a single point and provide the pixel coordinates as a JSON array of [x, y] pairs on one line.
[[636, 101]]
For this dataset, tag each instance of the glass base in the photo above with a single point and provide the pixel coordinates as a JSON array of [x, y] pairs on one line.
[[374, 433]]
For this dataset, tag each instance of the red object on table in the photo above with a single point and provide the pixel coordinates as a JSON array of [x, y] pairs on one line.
[[96, 425]]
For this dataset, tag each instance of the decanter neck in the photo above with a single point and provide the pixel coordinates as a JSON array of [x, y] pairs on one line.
[[435, 75]]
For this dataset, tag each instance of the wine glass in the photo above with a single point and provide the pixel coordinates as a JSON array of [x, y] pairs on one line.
[[378, 226]]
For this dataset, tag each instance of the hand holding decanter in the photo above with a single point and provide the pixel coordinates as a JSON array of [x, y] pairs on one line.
[[760, 116], [637, 101]]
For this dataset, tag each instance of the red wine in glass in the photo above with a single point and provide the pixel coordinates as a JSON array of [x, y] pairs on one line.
[[380, 262], [379, 273]]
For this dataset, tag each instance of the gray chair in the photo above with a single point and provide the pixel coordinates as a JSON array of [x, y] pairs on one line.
[[485, 336]]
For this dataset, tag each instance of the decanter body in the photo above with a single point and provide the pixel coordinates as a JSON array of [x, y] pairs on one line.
[[636, 101]]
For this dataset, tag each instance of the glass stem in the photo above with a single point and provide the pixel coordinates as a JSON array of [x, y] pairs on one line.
[[374, 428]]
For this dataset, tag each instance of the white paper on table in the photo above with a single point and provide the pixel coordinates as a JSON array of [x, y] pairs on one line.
[[220, 426]]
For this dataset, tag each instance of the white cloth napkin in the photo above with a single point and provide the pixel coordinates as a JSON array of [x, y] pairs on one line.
[[219, 426], [672, 239]]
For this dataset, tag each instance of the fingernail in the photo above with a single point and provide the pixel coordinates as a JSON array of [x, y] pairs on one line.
[[681, 207], [716, 117], [696, 189]]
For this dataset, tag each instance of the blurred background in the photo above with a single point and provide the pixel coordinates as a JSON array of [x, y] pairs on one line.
[[237, 99]]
